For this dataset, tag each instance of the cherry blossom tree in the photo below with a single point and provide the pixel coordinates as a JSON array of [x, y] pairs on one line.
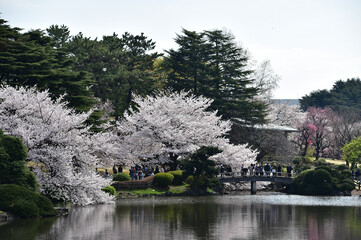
[[59, 144], [315, 129], [265, 79], [284, 114], [169, 126], [345, 127]]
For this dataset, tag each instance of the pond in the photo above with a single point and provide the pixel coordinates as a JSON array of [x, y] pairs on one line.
[[262, 216]]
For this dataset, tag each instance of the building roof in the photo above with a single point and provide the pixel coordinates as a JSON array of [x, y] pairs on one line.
[[269, 126]]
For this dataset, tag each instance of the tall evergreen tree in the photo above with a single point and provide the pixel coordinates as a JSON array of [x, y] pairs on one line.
[[120, 67], [32, 58], [187, 65], [344, 96], [211, 64]]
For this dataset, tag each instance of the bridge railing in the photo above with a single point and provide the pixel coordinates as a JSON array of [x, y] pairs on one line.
[[263, 174]]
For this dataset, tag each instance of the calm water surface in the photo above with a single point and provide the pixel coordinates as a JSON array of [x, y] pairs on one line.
[[219, 217]]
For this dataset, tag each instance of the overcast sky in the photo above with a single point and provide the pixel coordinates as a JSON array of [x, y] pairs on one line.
[[310, 43]]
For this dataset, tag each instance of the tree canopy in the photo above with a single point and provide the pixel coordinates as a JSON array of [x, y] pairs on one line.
[[63, 151], [32, 59], [211, 64], [344, 96]]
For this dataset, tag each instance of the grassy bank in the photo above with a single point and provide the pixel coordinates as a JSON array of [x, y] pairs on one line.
[[153, 191]]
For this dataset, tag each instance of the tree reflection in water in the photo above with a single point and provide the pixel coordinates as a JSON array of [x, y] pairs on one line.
[[221, 217]]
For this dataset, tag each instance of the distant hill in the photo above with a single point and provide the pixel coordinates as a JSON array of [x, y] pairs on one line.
[[290, 102]]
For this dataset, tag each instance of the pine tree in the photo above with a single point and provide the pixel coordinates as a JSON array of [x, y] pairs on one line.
[[211, 64], [34, 59], [120, 67]]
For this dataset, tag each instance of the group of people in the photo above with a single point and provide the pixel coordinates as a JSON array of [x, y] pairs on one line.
[[259, 169], [137, 172]]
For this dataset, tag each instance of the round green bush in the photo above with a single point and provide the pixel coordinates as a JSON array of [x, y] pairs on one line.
[[110, 189], [299, 178], [190, 180], [346, 173], [346, 185], [297, 160], [320, 162], [323, 189], [24, 208], [121, 177], [24, 202], [178, 177], [327, 168], [163, 179], [319, 176], [342, 167]]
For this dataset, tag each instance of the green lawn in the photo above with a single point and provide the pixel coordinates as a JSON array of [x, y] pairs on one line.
[[154, 191], [336, 162]]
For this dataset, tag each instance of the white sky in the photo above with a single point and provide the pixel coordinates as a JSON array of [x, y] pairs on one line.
[[310, 43]]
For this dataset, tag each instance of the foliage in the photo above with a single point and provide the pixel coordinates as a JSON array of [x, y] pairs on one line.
[[347, 185], [352, 152], [314, 131], [110, 189], [23, 202], [178, 177], [13, 168], [202, 168], [315, 182], [323, 180], [319, 162], [59, 144], [297, 160], [344, 100], [341, 167], [163, 179], [119, 67], [210, 63], [171, 126], [190, 180], [30, 59], [343, 95], [121, 177]]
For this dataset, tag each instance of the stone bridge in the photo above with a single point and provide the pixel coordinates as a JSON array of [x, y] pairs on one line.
[[238, 177]]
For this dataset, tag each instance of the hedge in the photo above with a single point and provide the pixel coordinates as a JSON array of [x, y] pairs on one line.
[[121, 177], [23, 202], [110, 189], [163, 179], [178, 177]]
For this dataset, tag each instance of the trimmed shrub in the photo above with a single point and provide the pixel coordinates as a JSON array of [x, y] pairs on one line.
[[190, 180], [306, 160], [346, 174], [163, 179], [110, 189], [299, 178], [342, 167], [23, 202], [320, 162], [13, 170], [314, 182], [24, 208], [214, 182], [121, 177], [318, 176], [297, 160], [178, 177], [347, 185]]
